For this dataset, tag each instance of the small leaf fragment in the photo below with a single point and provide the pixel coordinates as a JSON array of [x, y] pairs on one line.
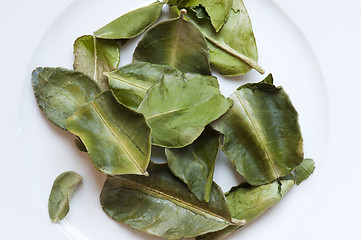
[[116, 137], [304, 170], [60, 92], [132, 23], [94, 56], [162, 205], [131, 82], [63, 187], [177, 43], [194, 164]]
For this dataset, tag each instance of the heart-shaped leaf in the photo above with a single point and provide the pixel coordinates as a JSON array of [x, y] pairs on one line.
[[95, 56], [130, 83], [179, 108], [117, 138], [194, 164], [262, 136], [132, 23], [177, 43], [63, 187], [162, 205], [60, 92]]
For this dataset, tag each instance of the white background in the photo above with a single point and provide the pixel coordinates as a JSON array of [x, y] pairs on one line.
[[333, 29]]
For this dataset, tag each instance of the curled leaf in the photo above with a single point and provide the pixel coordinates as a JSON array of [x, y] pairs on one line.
[[304, 170], [132, 23], [178, 108], [177, 43], [95, 56], [117, 138], [63, 187], [162, 205], [131, 82], [60, 92], [262, 136]]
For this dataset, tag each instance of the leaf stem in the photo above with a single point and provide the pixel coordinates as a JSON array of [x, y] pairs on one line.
[[240, 56]]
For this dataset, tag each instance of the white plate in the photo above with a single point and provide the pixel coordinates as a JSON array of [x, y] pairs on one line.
[[47, 151]]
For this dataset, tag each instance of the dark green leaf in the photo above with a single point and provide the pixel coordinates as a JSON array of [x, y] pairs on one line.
[[195, 163], [63, 187], [132, 23], [95, 56], [303, 171], [116, 137], [262, 135], [177, 43], [179, 108], [60, 92], [162, 205], [130, 83]]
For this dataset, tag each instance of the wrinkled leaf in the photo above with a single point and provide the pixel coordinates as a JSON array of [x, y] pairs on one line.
[[116, 137], [303, 171], [195, 163], [178, 108], [162, 205], [218, 10], [63, 187], [132, 23], [130, 83], [262, 136], [232, 50], [60, 92], [177, 43], [248, 202], [95, 56]]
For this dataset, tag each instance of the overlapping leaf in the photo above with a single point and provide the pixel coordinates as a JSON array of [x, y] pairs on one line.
[[95, 56], [130, 83], [63, 187], [132, 23], [304, 170], [195, 163], [262, 135], [162, 205], [117, 138], [179, 108], [60, 92], [177, 43]]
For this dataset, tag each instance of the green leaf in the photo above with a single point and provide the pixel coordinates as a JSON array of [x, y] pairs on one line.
[[95, 56], [132, 23], [248, 202], [177, 43], [162, 205], [130, 83], [233, 49], [63, 187], [60, 92], [303, 171], [262, 136], [116, 137], [195, 163], [179, 108]]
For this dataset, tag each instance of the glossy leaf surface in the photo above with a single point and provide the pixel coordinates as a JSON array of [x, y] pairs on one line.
[[117, 138], [233, 49], [132, 23], [262, 136], [60, 92], [95, 56], [248, 202], [177, 43], [179, 108], [130, 83], [194, 164], [162, 205], [304, 170], [63, 187]]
